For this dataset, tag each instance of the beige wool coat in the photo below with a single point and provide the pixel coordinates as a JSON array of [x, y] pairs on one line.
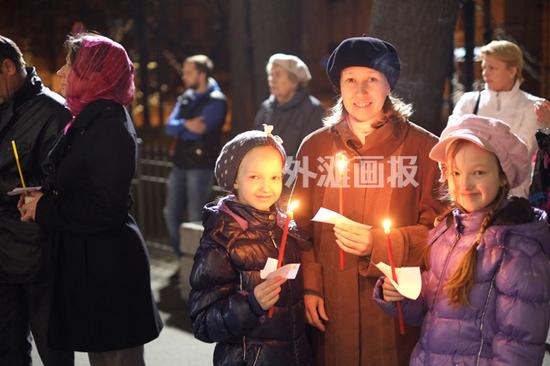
[[358, 332]]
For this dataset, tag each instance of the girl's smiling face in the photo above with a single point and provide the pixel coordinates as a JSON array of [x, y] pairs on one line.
[[259, 181], [474, 176]]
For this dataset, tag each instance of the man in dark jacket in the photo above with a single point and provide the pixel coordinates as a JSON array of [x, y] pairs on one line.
[[31, 115], [196, 123]]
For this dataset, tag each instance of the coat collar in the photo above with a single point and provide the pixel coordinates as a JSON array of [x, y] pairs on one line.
[[30, 87], [298, 97], [513, 211], [89, 113], [505, 95], [382, 141], [249, 218]]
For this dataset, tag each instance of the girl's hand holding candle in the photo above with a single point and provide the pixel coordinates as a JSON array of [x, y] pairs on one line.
[[289, 216]]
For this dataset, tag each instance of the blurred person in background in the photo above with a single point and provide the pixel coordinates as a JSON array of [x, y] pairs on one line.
[[196, 124], [502, 98], [292, 111]]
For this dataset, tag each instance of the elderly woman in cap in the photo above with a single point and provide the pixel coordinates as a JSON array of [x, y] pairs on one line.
[[292, 111], [388, 176]]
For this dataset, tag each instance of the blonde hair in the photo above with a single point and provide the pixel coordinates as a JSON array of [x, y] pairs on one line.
[[507, 52], [461, 281], [394, 110]]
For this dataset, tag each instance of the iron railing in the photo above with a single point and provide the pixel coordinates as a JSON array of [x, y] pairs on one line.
[[149, 192]]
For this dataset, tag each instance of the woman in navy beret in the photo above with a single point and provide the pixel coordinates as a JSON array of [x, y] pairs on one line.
[[389, 175]]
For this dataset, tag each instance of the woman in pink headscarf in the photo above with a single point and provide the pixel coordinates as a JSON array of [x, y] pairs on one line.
[[101, 302]]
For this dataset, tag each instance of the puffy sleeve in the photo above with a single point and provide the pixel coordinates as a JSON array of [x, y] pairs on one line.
[[219, 309], [414, 311], [522, 286]]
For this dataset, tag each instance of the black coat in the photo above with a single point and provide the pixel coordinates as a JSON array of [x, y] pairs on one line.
[[236, 243], [102, 296], [32, 118]]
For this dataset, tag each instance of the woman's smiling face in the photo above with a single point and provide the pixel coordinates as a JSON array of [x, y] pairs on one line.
[[364, 91]]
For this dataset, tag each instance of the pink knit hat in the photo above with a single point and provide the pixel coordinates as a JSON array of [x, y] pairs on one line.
[[492, 135]]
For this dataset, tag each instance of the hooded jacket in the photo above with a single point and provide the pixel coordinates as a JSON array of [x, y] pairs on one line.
[[506, 321], [236, 243], [32, 118]]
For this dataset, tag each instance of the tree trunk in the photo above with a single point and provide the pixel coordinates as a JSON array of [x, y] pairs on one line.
[[422, 32], [257, 30]]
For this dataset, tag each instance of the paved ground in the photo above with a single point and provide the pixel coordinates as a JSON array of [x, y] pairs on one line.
[[176, 345]]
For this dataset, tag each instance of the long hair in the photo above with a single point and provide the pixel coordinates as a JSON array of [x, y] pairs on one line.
[[394, 110], [461, 281]]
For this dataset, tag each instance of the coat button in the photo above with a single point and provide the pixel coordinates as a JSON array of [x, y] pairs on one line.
[[272, 217]]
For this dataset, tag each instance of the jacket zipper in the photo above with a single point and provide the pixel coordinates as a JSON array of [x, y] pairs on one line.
[[457, 238], [440, 284], [244, 337], [483, 315], [273, 241], [257, 355]]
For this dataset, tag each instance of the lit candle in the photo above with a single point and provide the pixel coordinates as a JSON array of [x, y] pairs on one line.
[[289, 217], [387, 228], [341, 164], [18, 163]]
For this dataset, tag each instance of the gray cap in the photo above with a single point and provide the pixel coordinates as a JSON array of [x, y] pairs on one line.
[[233, 152]]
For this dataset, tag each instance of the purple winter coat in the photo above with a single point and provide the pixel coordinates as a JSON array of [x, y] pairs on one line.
[[507, 321]]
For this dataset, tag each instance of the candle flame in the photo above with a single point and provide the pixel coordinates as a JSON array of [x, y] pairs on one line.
[[387, 226], [341, 162], [292, 205]]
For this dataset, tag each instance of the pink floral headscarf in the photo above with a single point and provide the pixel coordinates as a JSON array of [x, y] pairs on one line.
[[101, 70]]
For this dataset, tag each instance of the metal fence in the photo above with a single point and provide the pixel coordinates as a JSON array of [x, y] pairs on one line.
[[149, 192]]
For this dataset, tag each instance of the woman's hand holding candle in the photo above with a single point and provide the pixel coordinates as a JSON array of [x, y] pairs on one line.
[[354, 238]]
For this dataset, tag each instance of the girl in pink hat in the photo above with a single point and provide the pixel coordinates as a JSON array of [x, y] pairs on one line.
[[485, 294]]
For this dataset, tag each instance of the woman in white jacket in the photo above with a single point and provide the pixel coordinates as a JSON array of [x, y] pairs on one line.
[[502, 64]]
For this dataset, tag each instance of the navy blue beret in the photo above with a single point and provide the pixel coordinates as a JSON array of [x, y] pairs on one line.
[[364, 51]]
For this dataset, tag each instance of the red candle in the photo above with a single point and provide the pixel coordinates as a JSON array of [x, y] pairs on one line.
[[341, 164], [387, 228], [289, 217]]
